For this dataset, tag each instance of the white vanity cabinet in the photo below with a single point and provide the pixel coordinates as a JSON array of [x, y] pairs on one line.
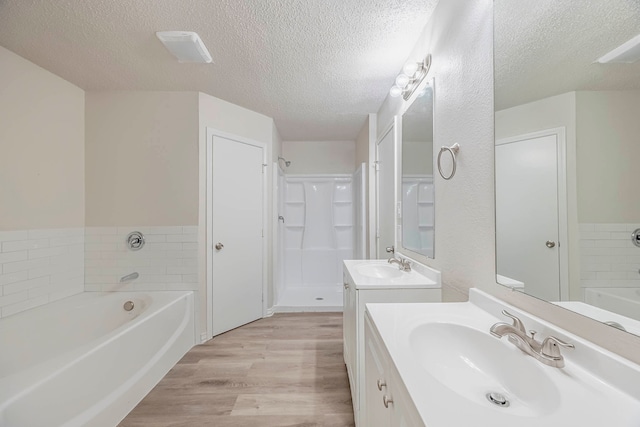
[[386, 401], [359, 291]]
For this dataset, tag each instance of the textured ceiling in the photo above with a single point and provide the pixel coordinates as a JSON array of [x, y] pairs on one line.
[[318, 67], [548, 47]]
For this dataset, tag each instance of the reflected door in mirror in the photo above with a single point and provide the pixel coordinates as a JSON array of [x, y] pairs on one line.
[[527, 214]]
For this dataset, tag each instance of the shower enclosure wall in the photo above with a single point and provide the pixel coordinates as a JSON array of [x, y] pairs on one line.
[[317, 230]]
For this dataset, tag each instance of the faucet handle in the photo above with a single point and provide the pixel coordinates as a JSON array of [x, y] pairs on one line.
[[517, 323], [550, 347]]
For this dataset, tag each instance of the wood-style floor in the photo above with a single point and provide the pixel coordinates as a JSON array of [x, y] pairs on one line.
[[285, 371]]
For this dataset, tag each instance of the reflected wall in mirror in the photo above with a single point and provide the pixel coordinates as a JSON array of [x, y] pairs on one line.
[[417, 186], [567, 151]]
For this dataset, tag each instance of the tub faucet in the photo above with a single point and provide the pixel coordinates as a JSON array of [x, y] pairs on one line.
[[129, 277], [403, 264], [547, 351]]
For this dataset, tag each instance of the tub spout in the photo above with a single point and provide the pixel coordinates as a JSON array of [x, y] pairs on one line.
[[129, 277]]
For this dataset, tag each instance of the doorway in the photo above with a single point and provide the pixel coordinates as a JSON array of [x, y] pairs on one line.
[[236, 212]]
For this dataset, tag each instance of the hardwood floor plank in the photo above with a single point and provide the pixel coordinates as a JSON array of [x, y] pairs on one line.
[[284, 371]]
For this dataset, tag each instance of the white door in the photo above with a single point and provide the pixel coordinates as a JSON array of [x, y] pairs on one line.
[[385, 182], [236, 233], [527, 219]]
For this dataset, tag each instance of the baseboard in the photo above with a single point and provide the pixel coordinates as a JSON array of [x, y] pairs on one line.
[[307, 309], [270, 312]]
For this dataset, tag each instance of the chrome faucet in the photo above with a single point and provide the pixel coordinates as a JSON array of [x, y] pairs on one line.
[[547, 351], [403, 264]]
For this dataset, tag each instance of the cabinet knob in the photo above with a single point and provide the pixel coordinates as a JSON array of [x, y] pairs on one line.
[[386, 400], [381, 383], [346, 286]]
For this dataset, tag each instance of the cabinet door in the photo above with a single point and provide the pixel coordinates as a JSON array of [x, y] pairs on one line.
[[346, 339], [349, 323], [403, 413], [373, 412]]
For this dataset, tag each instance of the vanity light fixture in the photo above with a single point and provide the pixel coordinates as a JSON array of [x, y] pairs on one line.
[[412, 75], [187, 46], [627, 53]]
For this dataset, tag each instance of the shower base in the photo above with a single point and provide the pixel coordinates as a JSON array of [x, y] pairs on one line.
[[310, 298]]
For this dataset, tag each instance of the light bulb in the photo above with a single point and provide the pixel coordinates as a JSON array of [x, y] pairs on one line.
[[410, 68], [395, 91], [402, 80]]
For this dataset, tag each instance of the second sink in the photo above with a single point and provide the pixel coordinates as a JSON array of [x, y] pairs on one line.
[[379, 271]]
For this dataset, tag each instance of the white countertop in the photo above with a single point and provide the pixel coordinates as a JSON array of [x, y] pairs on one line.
[[601, 315], [419, 277], [441, 406]]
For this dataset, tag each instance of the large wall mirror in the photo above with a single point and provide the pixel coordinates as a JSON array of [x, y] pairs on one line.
[[568, 155], [417, 194]]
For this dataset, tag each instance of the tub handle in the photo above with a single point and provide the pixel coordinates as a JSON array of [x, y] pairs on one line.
[[135, 240]]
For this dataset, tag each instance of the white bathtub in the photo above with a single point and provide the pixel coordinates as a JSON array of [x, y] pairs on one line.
[[85, 361], [624, 301]]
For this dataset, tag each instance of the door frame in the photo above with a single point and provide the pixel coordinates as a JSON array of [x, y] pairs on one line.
[[210, 134], [388, 129], [563, 215]]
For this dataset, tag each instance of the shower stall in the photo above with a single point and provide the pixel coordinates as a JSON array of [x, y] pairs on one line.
[[320, 225]]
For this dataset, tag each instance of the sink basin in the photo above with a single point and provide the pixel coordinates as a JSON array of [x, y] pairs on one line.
[[473, 363], [449, 362], [380, 271]]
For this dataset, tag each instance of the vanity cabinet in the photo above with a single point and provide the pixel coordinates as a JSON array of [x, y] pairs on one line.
[[357, 293], [386, 401]]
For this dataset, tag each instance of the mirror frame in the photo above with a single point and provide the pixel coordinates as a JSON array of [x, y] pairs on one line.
[[428, 81]]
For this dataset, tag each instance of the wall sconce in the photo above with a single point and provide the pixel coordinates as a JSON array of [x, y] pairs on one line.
[[412, 75]]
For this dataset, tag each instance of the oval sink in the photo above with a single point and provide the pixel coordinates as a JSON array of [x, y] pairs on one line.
[[473, 363], [380, 271]]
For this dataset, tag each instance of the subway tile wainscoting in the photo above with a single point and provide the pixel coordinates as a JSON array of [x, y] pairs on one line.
[[168, 260], [608, 258], [39, 266]]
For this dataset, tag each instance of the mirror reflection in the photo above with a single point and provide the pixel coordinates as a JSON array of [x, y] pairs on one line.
[[567, 150], [418, 206]]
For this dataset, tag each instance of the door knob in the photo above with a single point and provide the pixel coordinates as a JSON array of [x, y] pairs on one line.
[[550, 244], [219, 246]]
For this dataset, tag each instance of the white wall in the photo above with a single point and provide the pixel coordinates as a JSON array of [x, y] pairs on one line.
[[42, 140], [320, 157], [41, 186], [141, 158], [459, 35], [608, 156]]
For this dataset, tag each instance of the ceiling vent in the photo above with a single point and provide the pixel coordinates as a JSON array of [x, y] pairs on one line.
[[626, 53], [186, 46]]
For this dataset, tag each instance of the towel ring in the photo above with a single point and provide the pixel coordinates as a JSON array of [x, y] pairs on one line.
[[453, 150]]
